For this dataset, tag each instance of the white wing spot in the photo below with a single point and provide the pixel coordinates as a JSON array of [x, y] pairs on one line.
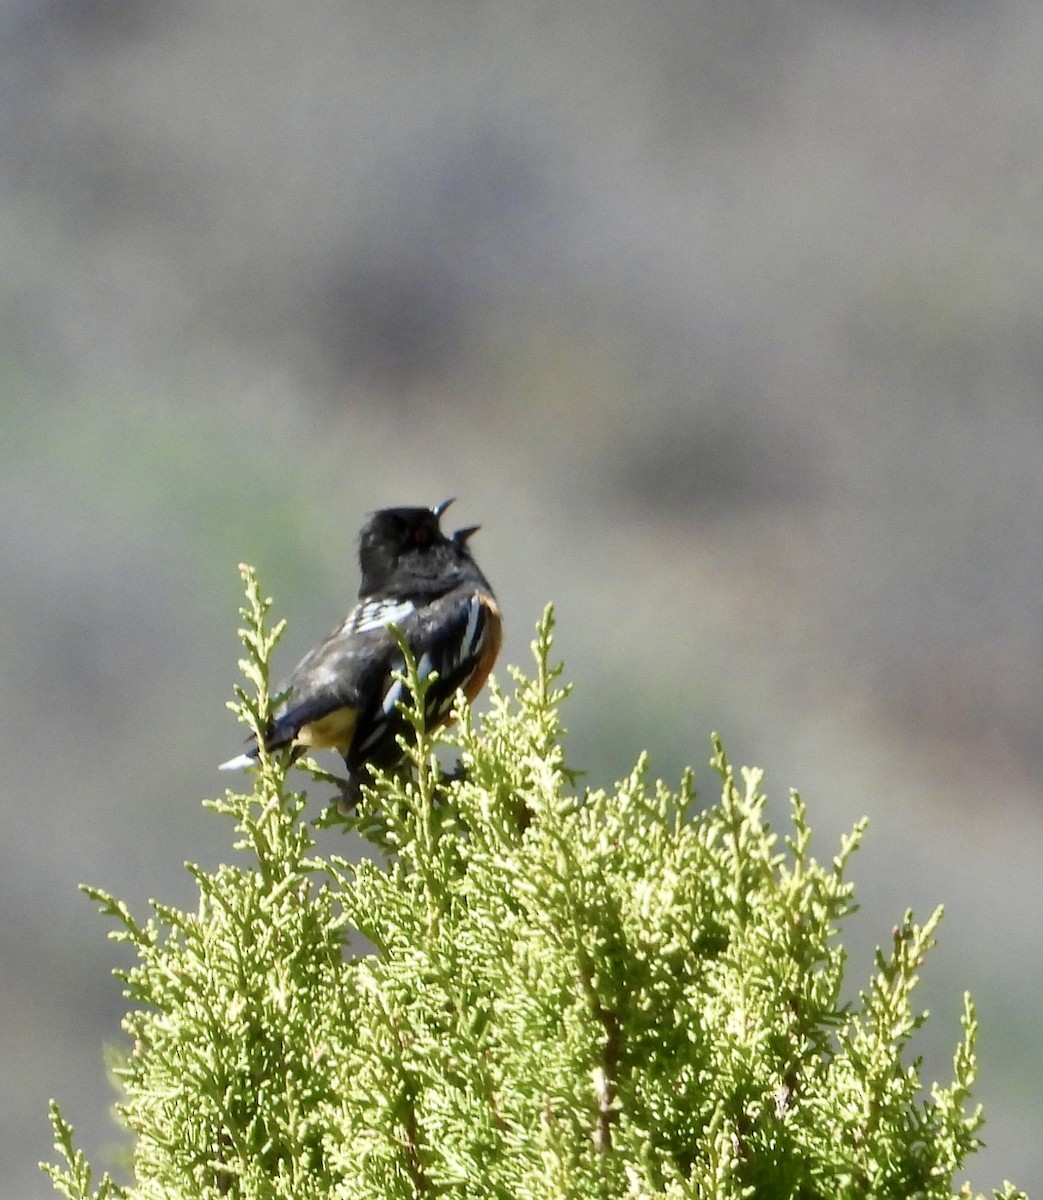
[[471, 636], [395, 693], [376, 614]]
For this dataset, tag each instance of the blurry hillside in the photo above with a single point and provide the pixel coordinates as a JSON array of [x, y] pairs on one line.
[[722, 319]]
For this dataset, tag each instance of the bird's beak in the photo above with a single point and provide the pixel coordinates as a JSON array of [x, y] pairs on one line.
[[462, 535], [440, 508]]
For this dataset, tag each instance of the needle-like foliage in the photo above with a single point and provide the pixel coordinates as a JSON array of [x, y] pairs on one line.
[[567, 993]]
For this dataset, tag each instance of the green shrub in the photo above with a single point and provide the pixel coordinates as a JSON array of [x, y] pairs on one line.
[[569, 994]]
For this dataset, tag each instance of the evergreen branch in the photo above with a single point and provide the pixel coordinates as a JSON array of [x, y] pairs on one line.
[[610, 993]]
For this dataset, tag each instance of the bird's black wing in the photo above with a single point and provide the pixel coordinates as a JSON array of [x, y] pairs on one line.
[[348, 681], [454, 637], [343, 672]]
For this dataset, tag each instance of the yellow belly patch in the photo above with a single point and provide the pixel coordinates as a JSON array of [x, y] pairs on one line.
[[334, 731]]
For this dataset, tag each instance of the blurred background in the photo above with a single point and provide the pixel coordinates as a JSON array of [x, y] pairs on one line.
[[723, 320]]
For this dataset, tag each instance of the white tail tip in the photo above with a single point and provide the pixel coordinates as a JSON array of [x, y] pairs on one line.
[[239, 763]]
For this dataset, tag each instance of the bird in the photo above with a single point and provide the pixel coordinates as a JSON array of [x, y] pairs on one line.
[[343, 694]]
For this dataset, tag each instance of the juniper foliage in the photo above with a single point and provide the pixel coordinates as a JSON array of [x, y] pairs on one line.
[[568, 994]]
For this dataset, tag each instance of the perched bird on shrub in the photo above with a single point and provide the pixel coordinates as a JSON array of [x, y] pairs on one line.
[[343, 695]]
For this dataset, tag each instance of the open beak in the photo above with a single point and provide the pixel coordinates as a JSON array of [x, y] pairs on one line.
[[440, 508]]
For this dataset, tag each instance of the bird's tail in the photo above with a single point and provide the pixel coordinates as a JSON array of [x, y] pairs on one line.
[[239, 763]]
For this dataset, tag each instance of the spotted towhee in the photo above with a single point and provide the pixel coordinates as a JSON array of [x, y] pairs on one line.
[[343, 694]]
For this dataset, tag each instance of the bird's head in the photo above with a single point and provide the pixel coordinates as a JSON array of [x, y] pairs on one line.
[[403, 552]]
